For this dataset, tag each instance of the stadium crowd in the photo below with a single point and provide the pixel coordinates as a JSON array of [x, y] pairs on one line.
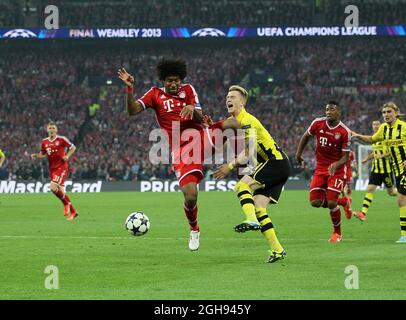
[[40, 84], [164, 13]]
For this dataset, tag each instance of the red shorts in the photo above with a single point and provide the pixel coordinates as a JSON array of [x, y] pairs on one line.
[[59, 176], [189, 158], [324, 185]]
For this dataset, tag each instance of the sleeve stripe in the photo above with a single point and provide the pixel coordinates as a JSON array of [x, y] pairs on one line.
[[67, 141], [195, 94], [142, 103], [317, 119]]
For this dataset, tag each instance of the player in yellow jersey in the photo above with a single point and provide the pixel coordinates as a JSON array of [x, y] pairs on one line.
[[264, 185], [381, 172], [393, 134], [2, 158]]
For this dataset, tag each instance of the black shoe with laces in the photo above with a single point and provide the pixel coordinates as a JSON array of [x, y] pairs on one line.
[[247, 226], [274, 256]]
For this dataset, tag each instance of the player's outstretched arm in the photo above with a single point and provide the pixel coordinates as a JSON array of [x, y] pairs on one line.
[[2, 159], [361, 137], [302, 144], [369, 157], [242, 159], [132, 106], [38, 155]]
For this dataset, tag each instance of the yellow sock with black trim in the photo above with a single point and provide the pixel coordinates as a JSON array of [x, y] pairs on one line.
[[367, 202], [246, 200], [402, 221], [268, 230]]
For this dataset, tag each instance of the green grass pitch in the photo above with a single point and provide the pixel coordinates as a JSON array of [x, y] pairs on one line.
[[97, 258]]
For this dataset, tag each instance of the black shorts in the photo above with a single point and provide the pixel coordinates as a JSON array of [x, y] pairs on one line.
[[273, 175], [401, 183], [378, 178]]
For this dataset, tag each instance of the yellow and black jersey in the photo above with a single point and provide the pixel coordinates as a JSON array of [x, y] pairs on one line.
[[383, 165], [394, 138], [266, 146], [1, 154]]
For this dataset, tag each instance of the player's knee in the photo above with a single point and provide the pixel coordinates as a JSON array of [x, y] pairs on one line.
[[371, 189], [53, 187], [331, 204], [241, 186], [316, 203], [392, 192], [191, 199]]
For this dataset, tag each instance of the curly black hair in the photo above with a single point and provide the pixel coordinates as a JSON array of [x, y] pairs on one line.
[[334, 103], [171, 67]]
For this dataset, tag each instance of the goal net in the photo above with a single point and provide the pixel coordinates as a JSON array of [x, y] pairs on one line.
[[363, 169]]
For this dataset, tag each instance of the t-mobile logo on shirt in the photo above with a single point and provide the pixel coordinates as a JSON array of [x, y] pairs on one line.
[[323, 141], [168, 105]]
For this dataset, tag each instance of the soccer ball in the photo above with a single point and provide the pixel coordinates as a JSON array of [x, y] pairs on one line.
[[137, 223]]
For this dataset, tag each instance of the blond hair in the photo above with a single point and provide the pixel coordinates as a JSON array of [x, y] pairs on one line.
[[51, 123], [394, 107], [241, 90]]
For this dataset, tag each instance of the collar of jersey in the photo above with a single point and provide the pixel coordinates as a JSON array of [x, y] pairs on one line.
[[394, 124], [49, 139], [241, 114]]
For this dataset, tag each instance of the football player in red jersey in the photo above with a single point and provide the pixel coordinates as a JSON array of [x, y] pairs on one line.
[[333, 140], [54, 148], [178, 110], [351, 165]]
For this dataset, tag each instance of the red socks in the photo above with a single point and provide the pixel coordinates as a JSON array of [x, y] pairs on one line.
[[191, 215], [62, 196], [335, 215]]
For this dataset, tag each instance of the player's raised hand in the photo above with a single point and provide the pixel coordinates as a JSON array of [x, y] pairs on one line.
[[34, 156], [187, 112], [127, 78]]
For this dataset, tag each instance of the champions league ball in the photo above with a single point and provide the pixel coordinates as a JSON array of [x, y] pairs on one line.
[[137, 223]]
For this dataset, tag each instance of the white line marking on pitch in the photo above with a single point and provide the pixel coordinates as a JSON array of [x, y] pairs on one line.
[[173, 239]]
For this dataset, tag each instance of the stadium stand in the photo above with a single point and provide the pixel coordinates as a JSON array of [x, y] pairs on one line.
[[162, 13], [290, 82]]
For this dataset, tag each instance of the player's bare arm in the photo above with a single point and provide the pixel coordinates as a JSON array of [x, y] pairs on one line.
[[70, 153], [369, 157], [302, 144], [335, 165], [38, 155], [363, 138], [241, 160], [132, 106], [2, 159]]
